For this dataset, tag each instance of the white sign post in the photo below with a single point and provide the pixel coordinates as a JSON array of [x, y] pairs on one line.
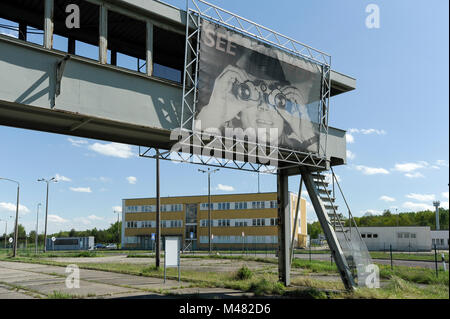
[[172, 254], [53, 243]]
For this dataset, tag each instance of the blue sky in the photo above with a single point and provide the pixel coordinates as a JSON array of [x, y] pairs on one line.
[[397, 120]]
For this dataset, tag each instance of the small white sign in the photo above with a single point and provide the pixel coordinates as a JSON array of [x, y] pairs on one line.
[[243, 234], [172, 251], [53, 239], [11, 240]]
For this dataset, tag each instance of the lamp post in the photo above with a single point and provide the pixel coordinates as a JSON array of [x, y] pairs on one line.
[[118, 228], [37, 228], [16, 226], [53, 179], [209, 172]]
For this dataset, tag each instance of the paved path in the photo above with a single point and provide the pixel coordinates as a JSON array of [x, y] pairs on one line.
[[23, 281]]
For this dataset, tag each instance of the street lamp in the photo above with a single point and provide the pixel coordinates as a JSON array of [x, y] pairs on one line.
[[209, 172], [16, 226], [118, 228], [53, 179], [37, 228]]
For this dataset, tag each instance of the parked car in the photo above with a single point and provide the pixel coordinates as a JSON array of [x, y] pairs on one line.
[[111, 246], [100, 246]]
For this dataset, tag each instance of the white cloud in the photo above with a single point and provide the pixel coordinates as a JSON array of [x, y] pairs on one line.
[[56, 219], [81, 189], [445, 195], [61, 178], [10, 207], [444, 205], [414, 175], [443, 163], [82, 220], [112, 149], [369, 131], [417, 206], [225, 188], [350, 155], [77, 143], [117, 208], [410, 167], [132, 180], [387, 199], [94, 217], [372, 170], [421, 197], [371, 212], [350, 138]]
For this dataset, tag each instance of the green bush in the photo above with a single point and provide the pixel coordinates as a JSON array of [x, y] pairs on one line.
[[266, 287], [244, 273]]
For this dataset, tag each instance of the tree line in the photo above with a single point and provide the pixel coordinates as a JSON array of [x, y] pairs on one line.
[[110, 235], [387, 219]]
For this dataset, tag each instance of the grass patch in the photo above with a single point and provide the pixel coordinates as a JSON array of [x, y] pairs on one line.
[[61, 295], [266, 286], [398, 288], [315, 266], [415, 275], [407, 256], [244, 273], [140, 256], [308, 293]]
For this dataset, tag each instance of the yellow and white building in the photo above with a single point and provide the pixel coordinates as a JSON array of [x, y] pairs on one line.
[[238, 220]]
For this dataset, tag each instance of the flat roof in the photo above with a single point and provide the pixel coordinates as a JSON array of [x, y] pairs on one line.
[[191, 196], [217, 195], [340, 83]]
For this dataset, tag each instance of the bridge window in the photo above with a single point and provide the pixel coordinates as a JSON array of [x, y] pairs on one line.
[[23, 19], [127, 38], [168, 54], [81, 41]]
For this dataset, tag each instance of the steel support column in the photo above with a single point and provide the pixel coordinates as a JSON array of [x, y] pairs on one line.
[[158, 215], [284, 229], [149, 62], [103, 41], [48, 24]]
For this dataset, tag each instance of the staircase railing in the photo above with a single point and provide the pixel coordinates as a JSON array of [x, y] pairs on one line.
[[349, 237]]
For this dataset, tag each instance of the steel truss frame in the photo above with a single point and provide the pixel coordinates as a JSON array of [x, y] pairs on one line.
[[196, 10], [196, 148]]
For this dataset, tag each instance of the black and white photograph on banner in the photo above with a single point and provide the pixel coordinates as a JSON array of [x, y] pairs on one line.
[[274, 97]]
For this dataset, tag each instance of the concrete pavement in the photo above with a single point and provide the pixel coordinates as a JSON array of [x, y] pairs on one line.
[[24, 281]]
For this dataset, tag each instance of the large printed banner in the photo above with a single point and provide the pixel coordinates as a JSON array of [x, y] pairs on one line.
[[248, 86]]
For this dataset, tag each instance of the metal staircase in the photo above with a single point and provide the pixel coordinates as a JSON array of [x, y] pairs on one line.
[[343, 237]]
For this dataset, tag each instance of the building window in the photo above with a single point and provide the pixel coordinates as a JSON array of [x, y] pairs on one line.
[[363, 235], [375, 235]]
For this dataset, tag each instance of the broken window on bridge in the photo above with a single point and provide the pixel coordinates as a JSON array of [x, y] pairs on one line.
[[168, 54], [127, 38], [76, 28]]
